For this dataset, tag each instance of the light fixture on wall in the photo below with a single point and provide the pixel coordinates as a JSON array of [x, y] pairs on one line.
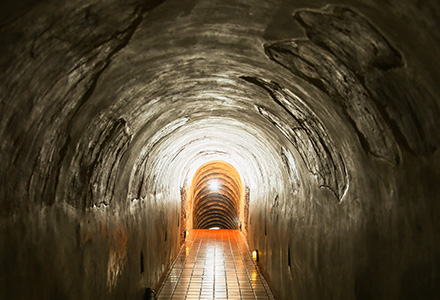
[[255, 255], [186, 234]]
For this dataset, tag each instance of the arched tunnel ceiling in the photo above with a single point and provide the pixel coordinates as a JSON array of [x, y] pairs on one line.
[[216, 191], [165, 82], [329, 113]]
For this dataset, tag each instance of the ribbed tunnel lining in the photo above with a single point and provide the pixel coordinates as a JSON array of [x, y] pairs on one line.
[[216, 206]]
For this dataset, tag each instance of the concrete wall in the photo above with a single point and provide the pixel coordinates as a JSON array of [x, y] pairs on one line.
[[328, 112]]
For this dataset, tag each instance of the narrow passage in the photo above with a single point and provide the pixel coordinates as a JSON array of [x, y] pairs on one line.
[[214, 264]]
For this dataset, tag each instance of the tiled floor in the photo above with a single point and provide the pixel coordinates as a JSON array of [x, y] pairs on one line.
[[214, 264]]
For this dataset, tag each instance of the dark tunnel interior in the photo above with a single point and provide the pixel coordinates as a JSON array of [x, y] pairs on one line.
[[311, 128]]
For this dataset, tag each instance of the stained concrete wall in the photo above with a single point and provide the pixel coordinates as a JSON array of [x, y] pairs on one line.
[[328, 112]]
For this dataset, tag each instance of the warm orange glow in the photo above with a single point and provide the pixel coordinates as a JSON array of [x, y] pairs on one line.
[[254, 275], [255, 255], [216, 194], [212, 266]]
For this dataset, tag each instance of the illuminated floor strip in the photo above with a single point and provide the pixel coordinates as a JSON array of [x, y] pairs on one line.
[[214, 264]]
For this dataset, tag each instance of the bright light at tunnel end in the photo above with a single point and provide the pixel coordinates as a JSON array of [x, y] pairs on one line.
[[214, 185]]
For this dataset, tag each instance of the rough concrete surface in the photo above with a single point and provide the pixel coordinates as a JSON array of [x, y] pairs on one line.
[[329, 112]]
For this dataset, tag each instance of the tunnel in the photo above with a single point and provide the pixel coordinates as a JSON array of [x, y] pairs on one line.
[[216, 196], [308, 129]]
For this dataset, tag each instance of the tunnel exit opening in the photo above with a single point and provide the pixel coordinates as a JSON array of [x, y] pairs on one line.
[[216, 194], [214, 199]]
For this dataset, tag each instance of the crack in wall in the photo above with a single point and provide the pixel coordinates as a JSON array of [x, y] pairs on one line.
[[68, 87], [347, 58], [307, 134], [332, 61]]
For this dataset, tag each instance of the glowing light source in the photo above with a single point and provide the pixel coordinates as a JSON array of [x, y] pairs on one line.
[[214, 228], [186, 234], [254, 275], [214, 185], [255, 255]]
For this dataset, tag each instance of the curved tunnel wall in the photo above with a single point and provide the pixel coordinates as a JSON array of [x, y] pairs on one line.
[[329, 113]]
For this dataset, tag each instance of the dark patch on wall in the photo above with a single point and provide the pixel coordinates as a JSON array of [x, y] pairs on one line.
[[290, 165], [351, 38], [96, 163], [166, 233], [275, 204], [410, 105], [416, 282], [63, 59], [351, 61], [142, 262], [265, 223], [343, 46], [308, 135], [142, 181], [139, 185], [364, 288], [274, 210], [149, 294]]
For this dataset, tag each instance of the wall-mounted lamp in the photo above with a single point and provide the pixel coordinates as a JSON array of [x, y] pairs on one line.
[[150, 294], [186, 234], [255, 255], [239, 224]]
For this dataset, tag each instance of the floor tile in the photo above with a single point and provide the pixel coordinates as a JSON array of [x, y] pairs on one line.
[[214, 264]]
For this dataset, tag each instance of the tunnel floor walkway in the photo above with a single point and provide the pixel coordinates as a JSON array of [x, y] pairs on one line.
[[214, 264]]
